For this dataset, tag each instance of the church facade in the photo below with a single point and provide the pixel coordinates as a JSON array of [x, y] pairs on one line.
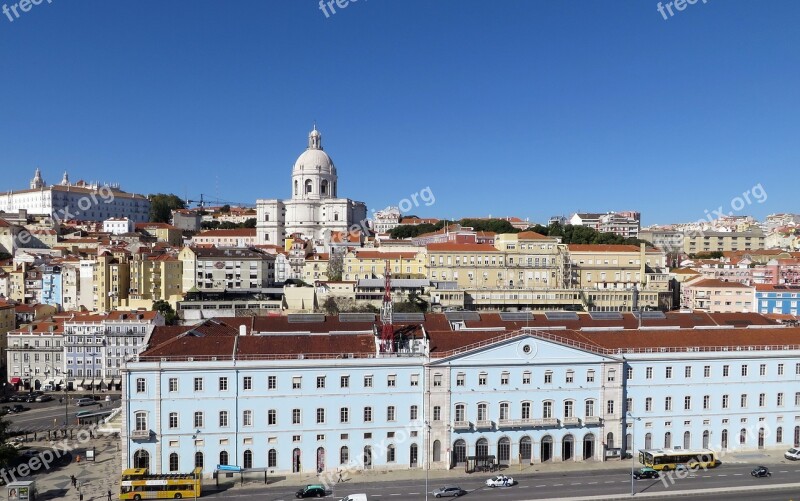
[[314, 211]]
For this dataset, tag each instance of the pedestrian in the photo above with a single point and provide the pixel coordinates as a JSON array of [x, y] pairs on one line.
[[73, 480], [340, 478], [109, 495]]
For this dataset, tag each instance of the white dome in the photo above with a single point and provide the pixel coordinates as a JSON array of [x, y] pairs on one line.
[[314, 162]]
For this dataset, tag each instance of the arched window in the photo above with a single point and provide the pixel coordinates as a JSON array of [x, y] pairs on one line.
[[344, 455], [437, 451], [272, 458], [223, 457], [390, 454], [547, 409], [610, 440], [336, 217], [460, 416], [667, 440], [141, 459], [323, 187], [525, 449], [413, 453], [724, 440], [140, 418], [247, 460], [648, 440], [482, 447], [742, 436], [569, 408], [687, 440], [198, 459], [173, 462], [779, 435], [309, 186], [266, 216], [295, 187], [706, 436]]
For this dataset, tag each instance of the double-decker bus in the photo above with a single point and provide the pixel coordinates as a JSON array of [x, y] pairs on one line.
[[137, 484], [669, 459]]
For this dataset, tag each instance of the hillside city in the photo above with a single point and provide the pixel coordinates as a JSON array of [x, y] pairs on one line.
[[458, 344]]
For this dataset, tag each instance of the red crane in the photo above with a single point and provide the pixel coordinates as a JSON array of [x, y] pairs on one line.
[[387, 329]]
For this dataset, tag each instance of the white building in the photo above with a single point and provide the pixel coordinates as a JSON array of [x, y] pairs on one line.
[[81, 200], [386, 220], [314, 210], [118, 225]]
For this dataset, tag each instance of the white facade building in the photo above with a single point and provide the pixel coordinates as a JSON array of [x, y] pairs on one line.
[[314, 211], [118, 225]]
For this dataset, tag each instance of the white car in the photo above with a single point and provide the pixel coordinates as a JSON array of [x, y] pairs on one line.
[[793, 454], [500, 481]]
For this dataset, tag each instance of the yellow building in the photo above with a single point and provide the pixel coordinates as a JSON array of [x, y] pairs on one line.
[[524, 260], [372, 264], [163, 232], [155, 278], [111, 281], [613, 266], [315, 268]]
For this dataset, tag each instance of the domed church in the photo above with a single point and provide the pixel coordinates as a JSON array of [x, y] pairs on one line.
[[314, 209]]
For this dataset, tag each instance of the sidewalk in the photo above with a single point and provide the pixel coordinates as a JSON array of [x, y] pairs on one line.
[[95, 478]]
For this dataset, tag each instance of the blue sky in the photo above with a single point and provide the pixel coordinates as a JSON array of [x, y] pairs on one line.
[[524, 108]]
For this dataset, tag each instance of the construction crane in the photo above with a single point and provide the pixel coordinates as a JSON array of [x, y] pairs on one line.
[[387, 329], [203, 201]]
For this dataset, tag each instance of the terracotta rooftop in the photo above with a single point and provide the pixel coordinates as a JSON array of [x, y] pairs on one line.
[[236, 232], [715, 282]]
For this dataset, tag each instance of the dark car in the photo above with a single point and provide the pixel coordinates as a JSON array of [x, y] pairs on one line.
[[311, 491], [4, 410], [761, 471], [30, 398], [17, 408], [449, 491], [44, 398], [645, 472]]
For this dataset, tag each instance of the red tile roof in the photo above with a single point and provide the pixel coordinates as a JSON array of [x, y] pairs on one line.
[[236, 232], [714, 282], [454, 247], [602, 248]]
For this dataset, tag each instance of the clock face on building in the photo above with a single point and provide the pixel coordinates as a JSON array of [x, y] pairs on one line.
[[219, 265]]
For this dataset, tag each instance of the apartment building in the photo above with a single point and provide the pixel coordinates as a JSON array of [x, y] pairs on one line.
[[225, 268], [717, 296]]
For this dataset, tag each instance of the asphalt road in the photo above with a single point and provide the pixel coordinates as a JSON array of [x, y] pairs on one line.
[[43, 415], [561, 485]]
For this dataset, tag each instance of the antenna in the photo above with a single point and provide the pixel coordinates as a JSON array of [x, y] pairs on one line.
[[387, 329]]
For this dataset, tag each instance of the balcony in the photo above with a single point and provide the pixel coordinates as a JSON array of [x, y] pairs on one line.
[[545, 422], [462, 425], [484, 424], [514, 423], [591, 420], [140, 434], [571, 421]]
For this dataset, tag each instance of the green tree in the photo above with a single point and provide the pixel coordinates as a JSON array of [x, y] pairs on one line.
[[170, 317], [225, 209], [7, 453], [249, 223], [330, 306], [335, 267], [162, 205]]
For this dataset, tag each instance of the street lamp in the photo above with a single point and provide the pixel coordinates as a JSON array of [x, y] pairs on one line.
[[194, 461], [66, 397], [427, 455], [633, 450]]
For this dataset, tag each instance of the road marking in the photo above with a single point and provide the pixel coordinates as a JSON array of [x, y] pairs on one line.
[[592, 483], [558, 485], [577, 483], [414, 493], [611, 482], [724, 475], [783, 471], [541, 486], [395, 494], [738, 474]]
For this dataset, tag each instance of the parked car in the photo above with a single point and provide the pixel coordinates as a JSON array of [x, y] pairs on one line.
[[761, 471], [44, 398], [49, 387], [793, 454], [18, 408], [108, 398], [15, 442], [499, 481], [29, 454], [85, 401], [645, 473], [448, 491], [311, 491]]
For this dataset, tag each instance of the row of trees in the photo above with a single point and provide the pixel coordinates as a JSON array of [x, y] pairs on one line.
[[569, 234], [228, 225]]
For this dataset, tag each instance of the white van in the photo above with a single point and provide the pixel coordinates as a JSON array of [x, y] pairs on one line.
[[84, 401], [355, 497]]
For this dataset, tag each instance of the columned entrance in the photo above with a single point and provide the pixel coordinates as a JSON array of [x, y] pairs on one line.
[[546, 449]]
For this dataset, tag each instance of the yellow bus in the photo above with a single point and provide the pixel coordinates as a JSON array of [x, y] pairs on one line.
[[670, 459], [136, 484]]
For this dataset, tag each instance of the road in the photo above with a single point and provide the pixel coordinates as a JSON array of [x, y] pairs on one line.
[[41, 415], [563, 485]]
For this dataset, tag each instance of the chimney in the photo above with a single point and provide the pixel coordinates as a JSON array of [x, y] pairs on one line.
[[242, 330]]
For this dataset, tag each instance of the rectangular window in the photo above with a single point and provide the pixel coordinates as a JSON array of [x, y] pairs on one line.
[[629, 373], [780, 400], [762, 370], [414, 379], [367, 414], [297, 382], [141, 386], [461, 379], [223, 419], [272, 382], [649, 373], [706, 402], [198, 384], [725, 370], [724, 401], [744, 370], [247, 418], [743, 401], [482, 377], [797, 399], [610, 407], [247, 383], [367, 381], [504, 378], [344, 415], [570, 377], [198, 419], [223, 384], [173, 384], [296, 416], [412, 412], [391, 381], [590, 376], [272, 417], [648, 404], [548, 377], [687, 371], [668, 404], [320, 416], [762, 400], [668, 373], [707, 371], [687, 403], [320, 382], [344, 381], [437, 413], [173, 420], [390, 413], [780, 369]]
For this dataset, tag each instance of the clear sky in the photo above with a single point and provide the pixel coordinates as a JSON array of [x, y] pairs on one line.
[[527, 108]]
